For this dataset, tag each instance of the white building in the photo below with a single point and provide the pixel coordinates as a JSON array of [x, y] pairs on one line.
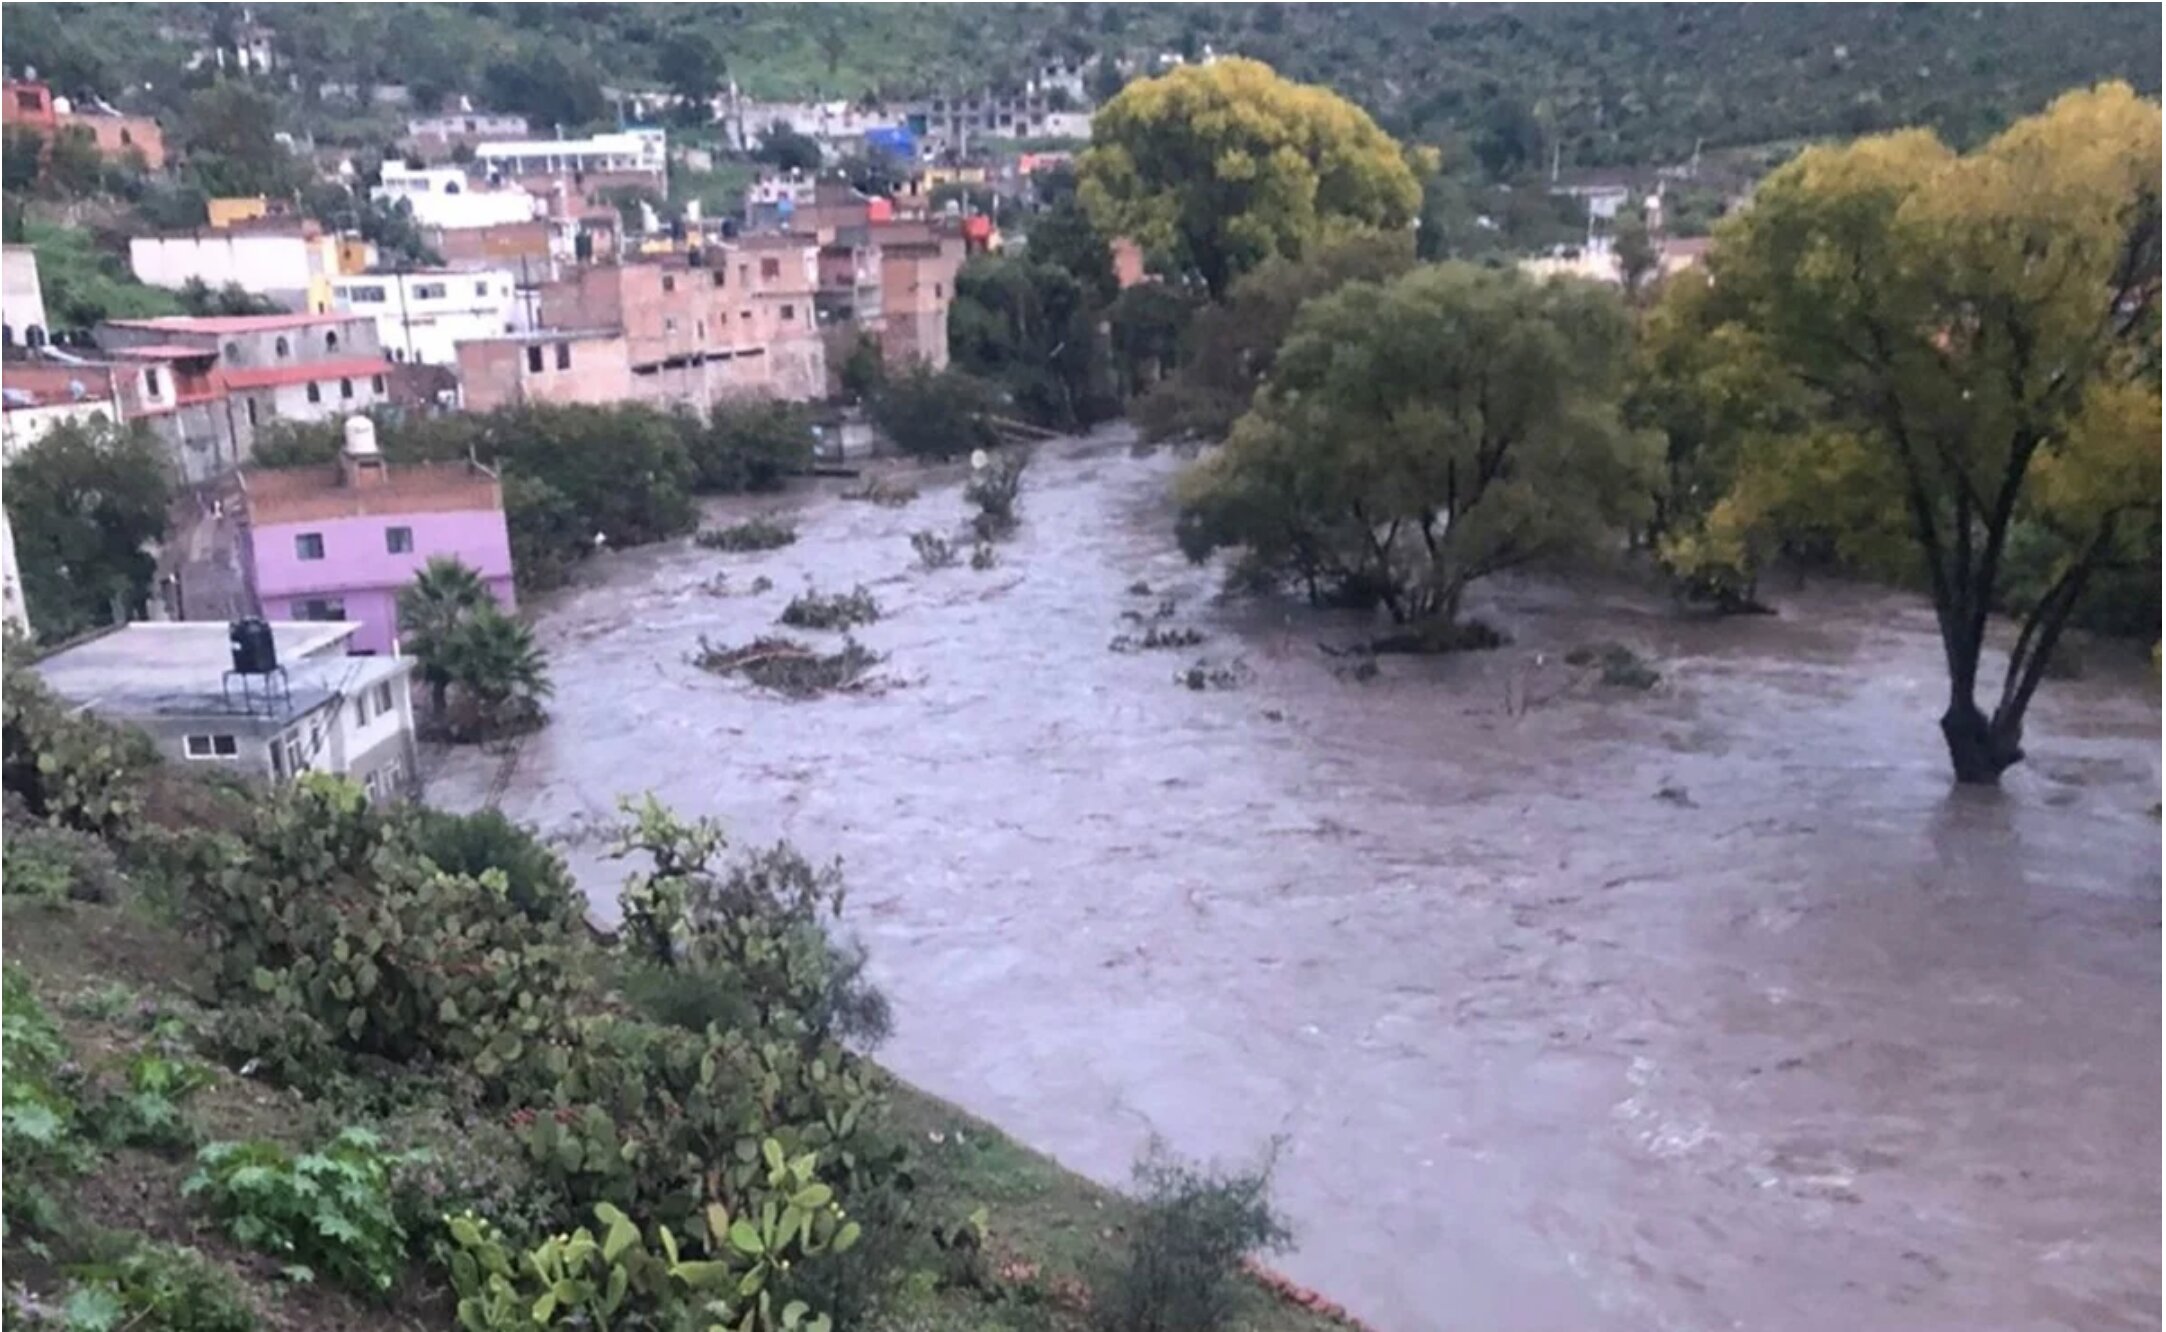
[[422, 317], [292, 267], [634, 152], [26, 419], [320, 711], [444, 197], [22, 297]]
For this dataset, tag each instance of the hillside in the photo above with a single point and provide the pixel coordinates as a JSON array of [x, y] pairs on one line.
[[1602, 83]]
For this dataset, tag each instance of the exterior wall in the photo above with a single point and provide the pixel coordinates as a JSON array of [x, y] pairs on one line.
[[637, 156], [29, 105], [23, 296], [359, 570], [287, 269], [497, 373], [16, 610], [20, 427], [226, 212], [422, 317], [444, 197], [332, 401], [917, 287]]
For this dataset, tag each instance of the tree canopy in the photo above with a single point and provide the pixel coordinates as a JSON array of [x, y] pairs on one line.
[[1419, 434], [1972, 341], [1222, 166], [87, 504]]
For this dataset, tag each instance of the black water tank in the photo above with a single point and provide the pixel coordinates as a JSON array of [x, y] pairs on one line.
[[255, 652]]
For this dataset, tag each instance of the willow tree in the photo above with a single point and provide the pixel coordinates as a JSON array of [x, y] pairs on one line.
[[1418, 435], [1976, 337], [1222, 166]]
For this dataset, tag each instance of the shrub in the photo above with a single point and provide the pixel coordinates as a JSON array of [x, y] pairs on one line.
[[56, 864], [883, 492], [789, 667], [811, 609], [1622, 668], [38, 1115], [993, 490], [1191, 1230], [1156, 637], [763, 533], [983, 556], [157, 1286], [327, 1211], [325, 911], [68, 769], [748, 446], [934, 551], [148, 1110], [473, 844]]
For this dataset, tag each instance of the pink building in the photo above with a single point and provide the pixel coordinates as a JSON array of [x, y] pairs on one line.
[[338, 543]]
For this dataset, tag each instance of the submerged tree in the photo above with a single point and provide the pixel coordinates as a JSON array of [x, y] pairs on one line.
[[1976, 338], [1419, 435], [1222, 166]]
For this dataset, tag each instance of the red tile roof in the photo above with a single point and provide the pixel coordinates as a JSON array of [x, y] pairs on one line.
[[267, 376], [234, 323]]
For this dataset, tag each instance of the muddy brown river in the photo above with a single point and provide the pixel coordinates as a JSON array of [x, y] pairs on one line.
[[1713, 1007]]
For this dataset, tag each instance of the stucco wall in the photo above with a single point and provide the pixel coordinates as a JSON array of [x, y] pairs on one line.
[[359, 570]]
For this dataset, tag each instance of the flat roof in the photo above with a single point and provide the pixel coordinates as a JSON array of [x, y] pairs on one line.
[[550, 335], [233, 323], [311, 494], [177, 669]]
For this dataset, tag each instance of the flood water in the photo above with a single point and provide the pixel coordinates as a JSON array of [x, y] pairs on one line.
[[1574, 1008]]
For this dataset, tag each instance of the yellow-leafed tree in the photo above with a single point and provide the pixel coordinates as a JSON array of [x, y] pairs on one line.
[[1219, 167], [1969, 344]]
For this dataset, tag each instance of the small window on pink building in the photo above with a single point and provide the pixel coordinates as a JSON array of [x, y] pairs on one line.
[[789, 312], [308, 546], [534, 359], [564, 356], [399, 540]]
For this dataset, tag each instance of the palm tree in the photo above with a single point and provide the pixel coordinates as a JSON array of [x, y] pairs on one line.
[[494, 663], [443, 595]]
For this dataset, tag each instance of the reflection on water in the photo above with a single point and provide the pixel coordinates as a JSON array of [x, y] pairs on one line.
[[1577, 1009]]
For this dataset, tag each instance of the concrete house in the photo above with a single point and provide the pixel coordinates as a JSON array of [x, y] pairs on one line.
[[444, 197], [338, 543], [421, 317], [628, 157], [289, 260], [321, 711]]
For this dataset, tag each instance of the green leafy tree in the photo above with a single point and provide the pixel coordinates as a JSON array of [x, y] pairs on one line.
[[74, 168], [1031, 328], [1637, 256], [787, 150], [1226, 165], [930, 413], [497, 671], [229, 131], [1977, 337], [692, 66], [1419, 435], [1063, 237], [548, 83], [1231, 345], [21, 152], [87, 504], [1145, 327]]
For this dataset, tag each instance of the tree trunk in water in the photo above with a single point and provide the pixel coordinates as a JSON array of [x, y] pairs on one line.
[[1980, 749]]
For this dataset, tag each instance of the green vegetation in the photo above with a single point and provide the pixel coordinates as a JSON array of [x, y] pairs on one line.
[[929, 413], [87, 504], [1182, 1269], [812, 609], [84, 285], [1974, 386], [765, 532], [993, 489], [325, 1211], [1418, 435], [790, 668], [1032, 328], [1219, 168]]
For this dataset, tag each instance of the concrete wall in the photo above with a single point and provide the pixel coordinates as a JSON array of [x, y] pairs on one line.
[[288, 269], [422, 317], [499, 373], [358, 568]]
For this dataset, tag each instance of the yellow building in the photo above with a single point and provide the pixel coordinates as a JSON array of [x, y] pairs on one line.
[[226, 212]]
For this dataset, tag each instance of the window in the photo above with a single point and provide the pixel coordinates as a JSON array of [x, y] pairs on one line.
[[315, 391], [429, 291], [251, 411], [789, 312], [936, 291], [669, 326], [770, 268], [212, 747], [481, 289], [359, 296], [323, 608], [669, 281], [383, 697], [150, 383], [127, 140], [345, 388], [330, 342], [702, 325], [29, 100], [564, 356], [399, 540], [376, 383], [744, 314], [721, 276], [361, 710], [233, 353], [744, 275], [534, 359], [282, 348], [308, 546]]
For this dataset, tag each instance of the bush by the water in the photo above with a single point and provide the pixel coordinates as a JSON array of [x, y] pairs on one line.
[[1622, 668], [812, 609], [934, 551], [1193, 1227], [993, 489], [762, 533], [883, 492], [929, 413]]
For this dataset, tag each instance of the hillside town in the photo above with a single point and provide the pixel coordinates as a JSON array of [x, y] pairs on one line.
[[1080, 668]]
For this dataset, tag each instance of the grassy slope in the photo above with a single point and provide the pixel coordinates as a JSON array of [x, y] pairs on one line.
[[94, 966]]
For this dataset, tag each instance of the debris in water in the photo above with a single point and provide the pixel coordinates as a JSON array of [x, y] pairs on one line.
[[763, 533], [1139, 588], [812, 609], [887, 494], [1676, 795], [1155, 637], [934, 550], [1622, 668], [1206, 674], [789, 667]]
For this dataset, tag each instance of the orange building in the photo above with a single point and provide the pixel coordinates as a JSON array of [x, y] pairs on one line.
[[33, 106]]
